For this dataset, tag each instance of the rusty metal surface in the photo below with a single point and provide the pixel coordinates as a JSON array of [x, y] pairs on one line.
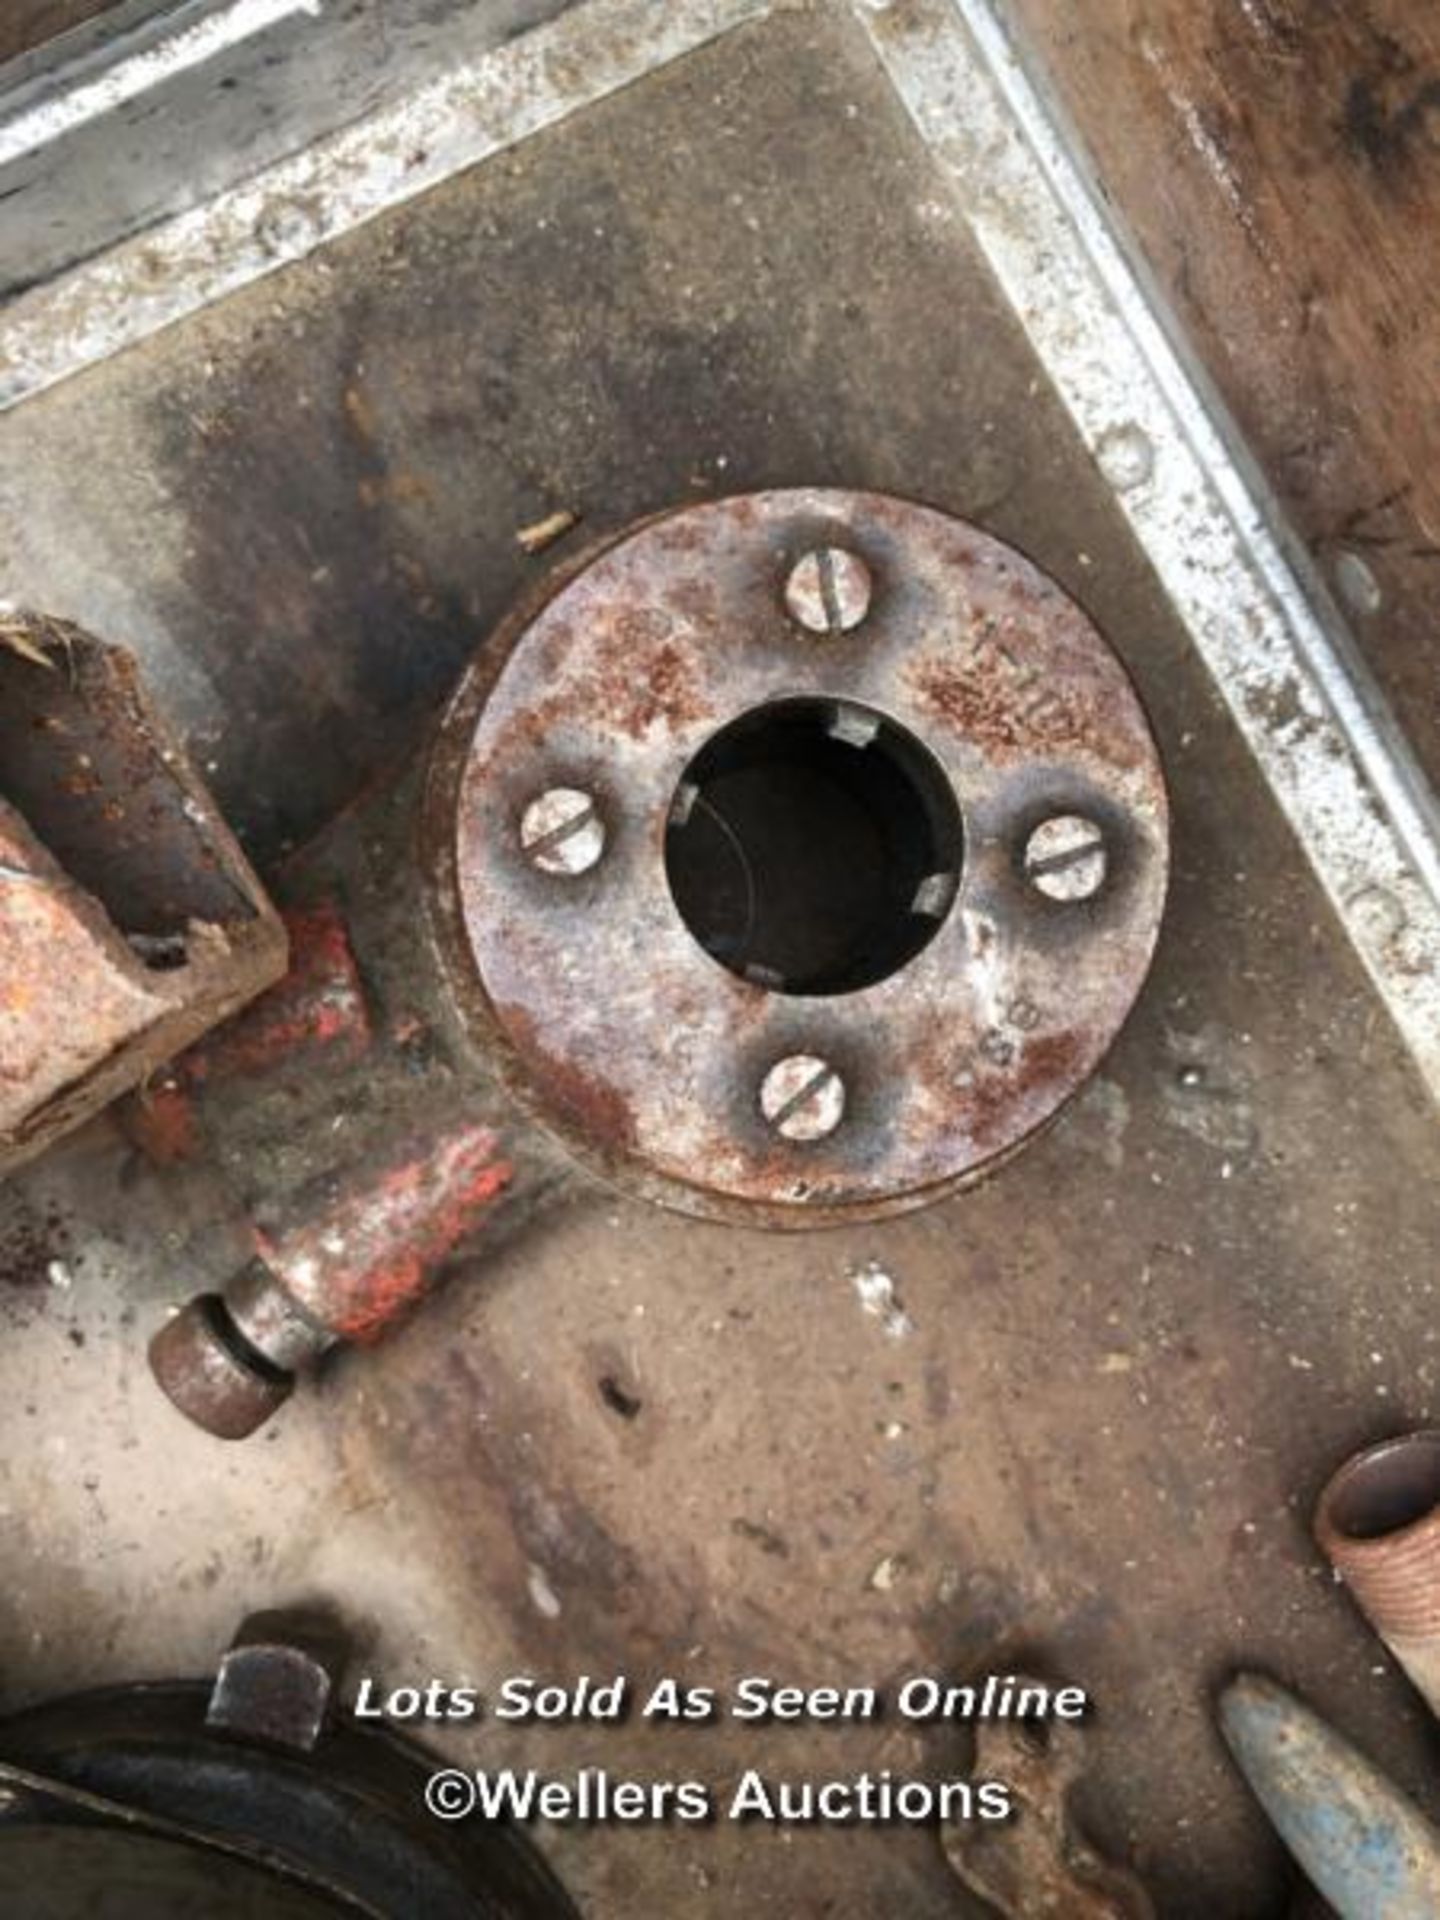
[[130, 921], [73, 993], [314, 1017], [1378, 1522], [212, 1377], [309, 1129], [646, 1055], [1038, 1865], [362, 1257], [1093, 1424], [361, 1248]]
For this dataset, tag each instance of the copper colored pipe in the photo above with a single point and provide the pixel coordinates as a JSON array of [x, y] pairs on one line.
[[1379, 1523]]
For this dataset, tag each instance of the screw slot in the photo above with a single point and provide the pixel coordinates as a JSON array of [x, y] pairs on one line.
[[562, 833], [828, 590], [1066, 858], [803, 1097]]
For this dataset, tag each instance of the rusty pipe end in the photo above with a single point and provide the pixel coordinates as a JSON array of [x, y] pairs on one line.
[[1378, 1522], [209, 1371]]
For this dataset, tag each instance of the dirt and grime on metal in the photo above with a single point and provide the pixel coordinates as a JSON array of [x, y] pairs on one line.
[[1114, 1376]]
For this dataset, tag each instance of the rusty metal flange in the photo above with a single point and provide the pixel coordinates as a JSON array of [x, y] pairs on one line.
[[130, 920], [801, 852]]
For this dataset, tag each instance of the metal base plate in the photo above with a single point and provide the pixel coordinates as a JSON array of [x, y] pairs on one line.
[[1081, 1410]]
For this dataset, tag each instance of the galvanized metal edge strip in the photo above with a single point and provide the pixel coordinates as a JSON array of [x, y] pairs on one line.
[[402, 149], [69, 99], [1342, 777]]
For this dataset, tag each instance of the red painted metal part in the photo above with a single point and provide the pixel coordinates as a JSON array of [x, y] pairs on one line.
[[360, 1265], [317, 1009], [342, 1257], [319, 1004], [354, 1255], [130, 922]]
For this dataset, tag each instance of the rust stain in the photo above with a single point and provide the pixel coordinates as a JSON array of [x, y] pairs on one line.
[[1003, 698], [131, 922], [636, 677], [971, 706], [1050, 1057], [1045, 1065], [641, 677], [596, 1109], [683, 534], [695, 600], [360, 413], [319, 1007]]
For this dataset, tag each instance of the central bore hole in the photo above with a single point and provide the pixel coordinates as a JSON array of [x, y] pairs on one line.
[[814, 846], [1389, 1489]]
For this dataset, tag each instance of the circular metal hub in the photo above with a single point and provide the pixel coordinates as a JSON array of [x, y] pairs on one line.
[[923, 850]]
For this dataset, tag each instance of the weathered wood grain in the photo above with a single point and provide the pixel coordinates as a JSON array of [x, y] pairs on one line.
[[1279, 163]]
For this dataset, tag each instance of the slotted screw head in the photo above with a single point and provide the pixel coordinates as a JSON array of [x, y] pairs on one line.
[[803, 1097], [828, 590], [561, 832], [1065, 858]]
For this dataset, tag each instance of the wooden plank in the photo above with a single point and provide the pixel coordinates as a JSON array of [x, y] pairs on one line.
[[1279, 163]]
